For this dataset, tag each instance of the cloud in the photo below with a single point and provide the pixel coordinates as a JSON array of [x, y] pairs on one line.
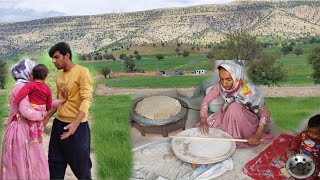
[[13, 15], [30, 9]]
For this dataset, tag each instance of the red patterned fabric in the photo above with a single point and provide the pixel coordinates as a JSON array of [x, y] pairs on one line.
[[269, 162]]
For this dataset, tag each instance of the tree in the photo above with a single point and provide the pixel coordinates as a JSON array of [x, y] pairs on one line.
[[261, 67], [239, 46], [3, 72], [122, 56], [192, 48], [159, 56], [105, 72], [128, 63], [265, 71], [177, 50], [286, 48], [138, 57], [131, 56], [185, 53], [298, 51], [314, 60]]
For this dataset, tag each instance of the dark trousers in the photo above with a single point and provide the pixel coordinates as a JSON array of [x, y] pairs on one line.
[[75, 151]]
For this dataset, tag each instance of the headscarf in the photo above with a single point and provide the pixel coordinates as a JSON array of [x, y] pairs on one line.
[[21, 71], [242, 92]]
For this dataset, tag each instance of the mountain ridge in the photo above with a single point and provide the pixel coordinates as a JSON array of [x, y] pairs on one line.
[[199, 25]]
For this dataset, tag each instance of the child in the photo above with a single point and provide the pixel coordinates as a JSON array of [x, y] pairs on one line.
[[40, 97], [308, 142]]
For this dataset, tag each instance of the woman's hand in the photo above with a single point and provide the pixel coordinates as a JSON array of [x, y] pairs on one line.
[[255, 139], [64, 93], [204, 127]]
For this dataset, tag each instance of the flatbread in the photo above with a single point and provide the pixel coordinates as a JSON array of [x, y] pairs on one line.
[[158, 107], [207, 148]]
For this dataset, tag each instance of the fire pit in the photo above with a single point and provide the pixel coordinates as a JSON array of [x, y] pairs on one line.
[[163, 124]]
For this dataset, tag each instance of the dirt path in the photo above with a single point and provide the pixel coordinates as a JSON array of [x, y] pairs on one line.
[[306, 91]]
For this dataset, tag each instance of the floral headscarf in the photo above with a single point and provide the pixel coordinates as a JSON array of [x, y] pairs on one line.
[[242, 92], [21, 71]]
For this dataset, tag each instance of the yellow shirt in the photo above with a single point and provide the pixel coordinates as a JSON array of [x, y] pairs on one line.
[[78, 82]]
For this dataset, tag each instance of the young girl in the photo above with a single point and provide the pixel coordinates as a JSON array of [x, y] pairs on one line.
[[308, 142], [40, 97]]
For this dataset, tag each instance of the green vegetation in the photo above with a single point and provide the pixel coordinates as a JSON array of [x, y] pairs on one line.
[[289, 112], [111, 136], [3, 112], [155, 82]]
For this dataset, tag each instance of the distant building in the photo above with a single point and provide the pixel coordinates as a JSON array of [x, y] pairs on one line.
[[198, 72]]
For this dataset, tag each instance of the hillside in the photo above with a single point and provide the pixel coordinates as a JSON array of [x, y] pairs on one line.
[[193, 25]]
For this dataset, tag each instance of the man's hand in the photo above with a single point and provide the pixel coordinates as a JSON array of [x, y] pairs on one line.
[[71, 129], [204, 127]]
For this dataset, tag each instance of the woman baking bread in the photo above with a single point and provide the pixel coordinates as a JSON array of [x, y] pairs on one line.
[[243, 114]]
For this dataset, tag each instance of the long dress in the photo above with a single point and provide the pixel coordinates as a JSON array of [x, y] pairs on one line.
[[236, 119], [20, 159]]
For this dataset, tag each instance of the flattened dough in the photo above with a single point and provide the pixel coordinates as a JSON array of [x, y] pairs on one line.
[[207, 148], [158, 107]]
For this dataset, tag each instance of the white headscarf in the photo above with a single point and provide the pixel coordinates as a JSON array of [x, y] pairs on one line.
[[22, 70], [243, 92]]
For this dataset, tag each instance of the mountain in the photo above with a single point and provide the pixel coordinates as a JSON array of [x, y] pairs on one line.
[[195, 25]]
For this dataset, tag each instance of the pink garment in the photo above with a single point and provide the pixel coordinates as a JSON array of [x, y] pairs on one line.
[[35, 129], [21, 160], [236, 120]]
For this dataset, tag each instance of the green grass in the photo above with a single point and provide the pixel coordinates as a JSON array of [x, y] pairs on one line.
[[289, 112], [3, 111], [155, 82], [298, 70], [150, 63], [111, 136]]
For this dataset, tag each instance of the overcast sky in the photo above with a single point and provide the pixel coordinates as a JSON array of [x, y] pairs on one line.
[[22, 10]]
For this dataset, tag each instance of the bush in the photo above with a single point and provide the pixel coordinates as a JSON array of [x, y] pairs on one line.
[[135, 52], [159, 56], [185, 53], [105, 72], [138, 57], [122, 56], [314, 60]]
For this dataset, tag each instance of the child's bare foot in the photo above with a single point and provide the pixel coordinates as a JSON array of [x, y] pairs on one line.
[[40, 139], [32, 141]]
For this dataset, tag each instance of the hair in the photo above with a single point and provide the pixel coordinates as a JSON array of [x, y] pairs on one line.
[[63, 49], [314, 122], [40, 72]]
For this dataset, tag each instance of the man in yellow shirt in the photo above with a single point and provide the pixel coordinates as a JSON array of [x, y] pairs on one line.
[[70, 134]]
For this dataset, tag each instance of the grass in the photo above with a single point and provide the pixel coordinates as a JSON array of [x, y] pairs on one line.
[[150, 63], [289, 112], [155, 82], [3, 112], [111, 136]]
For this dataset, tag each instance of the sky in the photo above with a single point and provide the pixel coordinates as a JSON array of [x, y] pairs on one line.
[[24, 10]]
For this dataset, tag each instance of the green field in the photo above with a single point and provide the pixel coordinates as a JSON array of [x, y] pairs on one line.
[[289, 112], [297, 67], [111, 136]]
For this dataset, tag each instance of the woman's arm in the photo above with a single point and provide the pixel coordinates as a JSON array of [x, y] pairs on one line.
[[29, 112], [263, 121], [213, 93]]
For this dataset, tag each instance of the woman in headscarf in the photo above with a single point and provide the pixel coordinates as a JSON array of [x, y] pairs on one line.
[[243, 114], [20, 159]]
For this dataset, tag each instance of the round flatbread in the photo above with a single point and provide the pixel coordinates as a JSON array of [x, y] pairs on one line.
[[158, 107], [208, 148]]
